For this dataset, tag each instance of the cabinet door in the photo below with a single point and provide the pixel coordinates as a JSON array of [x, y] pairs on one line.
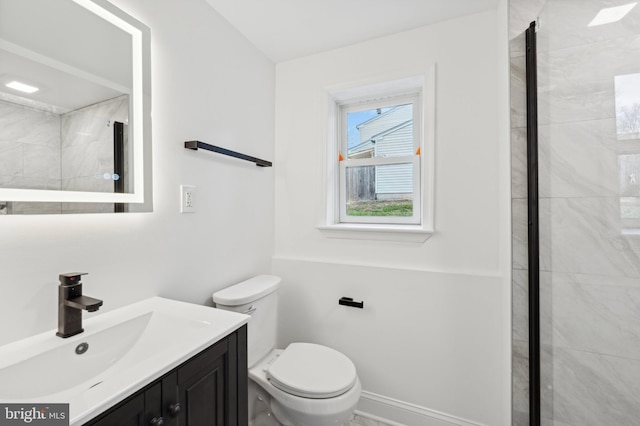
[[129, 413], [208, 390], [238, 378], [202, 384], [171, 407], [153, 405]]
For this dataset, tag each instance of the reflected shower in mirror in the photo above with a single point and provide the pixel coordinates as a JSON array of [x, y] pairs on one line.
[[73, 151]]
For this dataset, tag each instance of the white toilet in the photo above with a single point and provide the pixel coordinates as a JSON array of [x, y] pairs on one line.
[[303, 385]]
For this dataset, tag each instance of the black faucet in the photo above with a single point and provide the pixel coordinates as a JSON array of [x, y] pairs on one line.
[[71, 302]]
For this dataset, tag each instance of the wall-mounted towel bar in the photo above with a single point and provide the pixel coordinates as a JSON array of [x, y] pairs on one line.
[[194, 145], [348, 301]]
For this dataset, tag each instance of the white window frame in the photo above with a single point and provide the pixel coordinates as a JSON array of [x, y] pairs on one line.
[[392, 86], [414, 159]]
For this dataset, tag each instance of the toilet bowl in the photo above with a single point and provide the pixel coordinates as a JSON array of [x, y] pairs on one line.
[[302, 398], [305, 384]]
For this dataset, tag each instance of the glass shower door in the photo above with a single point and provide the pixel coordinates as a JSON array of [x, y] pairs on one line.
[[588, 74]]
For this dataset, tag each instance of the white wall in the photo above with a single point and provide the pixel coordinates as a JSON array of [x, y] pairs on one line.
[[432, 334], [210, 84], [432, 344]]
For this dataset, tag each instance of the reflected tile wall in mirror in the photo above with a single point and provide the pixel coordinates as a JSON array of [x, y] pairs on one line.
[[87, 145], [71, 151], [29, 148]]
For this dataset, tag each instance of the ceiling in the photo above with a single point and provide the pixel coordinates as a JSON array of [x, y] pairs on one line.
[[59, 91], [288, 29], [73, 56]]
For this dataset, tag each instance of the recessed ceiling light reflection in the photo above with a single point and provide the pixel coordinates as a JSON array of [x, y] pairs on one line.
[[21, 87], [612, 14]]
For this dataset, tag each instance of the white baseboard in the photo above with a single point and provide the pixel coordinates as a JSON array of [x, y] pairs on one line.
[[398, 413]]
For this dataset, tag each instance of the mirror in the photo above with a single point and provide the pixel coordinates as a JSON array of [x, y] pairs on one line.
[[75, 128]]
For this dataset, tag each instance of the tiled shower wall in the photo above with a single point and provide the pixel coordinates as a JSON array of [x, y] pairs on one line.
[[590, 248], [87, 145], [29, 154], [87, 151], [521, 14], [29, 147], [520, 348]]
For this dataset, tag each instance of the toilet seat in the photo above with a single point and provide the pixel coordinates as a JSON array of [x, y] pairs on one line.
[[312, 371]]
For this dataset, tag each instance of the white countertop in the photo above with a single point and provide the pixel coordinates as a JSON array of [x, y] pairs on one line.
[[129, 348]]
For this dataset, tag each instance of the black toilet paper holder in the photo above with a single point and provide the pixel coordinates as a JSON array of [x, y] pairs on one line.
[[348, 301]]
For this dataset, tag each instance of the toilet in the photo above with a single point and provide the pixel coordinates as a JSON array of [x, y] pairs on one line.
[[304, 384]]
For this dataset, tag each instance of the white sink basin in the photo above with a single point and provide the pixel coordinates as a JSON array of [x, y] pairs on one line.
[[61, 368], [124, 350]]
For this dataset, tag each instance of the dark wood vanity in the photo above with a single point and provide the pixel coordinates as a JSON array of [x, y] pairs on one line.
[[209, 389]]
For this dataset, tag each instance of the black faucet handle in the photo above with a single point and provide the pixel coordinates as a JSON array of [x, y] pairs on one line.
[[71, 278]]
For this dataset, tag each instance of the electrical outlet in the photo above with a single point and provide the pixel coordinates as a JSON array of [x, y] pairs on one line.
[[187, 199]]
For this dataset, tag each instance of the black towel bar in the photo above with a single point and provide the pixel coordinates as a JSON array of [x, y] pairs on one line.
[[194, 145], [348, 301]]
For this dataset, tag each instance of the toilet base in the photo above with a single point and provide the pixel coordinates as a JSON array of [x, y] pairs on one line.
[[293, 418], [269, 406], [260, 413]]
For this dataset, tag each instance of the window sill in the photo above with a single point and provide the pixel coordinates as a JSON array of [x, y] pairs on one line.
[[402, 233]]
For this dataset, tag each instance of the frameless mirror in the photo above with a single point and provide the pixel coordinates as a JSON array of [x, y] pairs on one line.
[[74, 108]]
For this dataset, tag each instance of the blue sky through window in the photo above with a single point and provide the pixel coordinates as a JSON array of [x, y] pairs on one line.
[[356, 118]]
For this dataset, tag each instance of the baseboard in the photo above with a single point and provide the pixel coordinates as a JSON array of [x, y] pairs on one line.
[[398, 413]]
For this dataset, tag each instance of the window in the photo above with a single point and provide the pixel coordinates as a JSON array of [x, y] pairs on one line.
[[379, 161]]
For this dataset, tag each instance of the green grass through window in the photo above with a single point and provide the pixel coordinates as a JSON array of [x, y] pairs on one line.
[[380, 208]]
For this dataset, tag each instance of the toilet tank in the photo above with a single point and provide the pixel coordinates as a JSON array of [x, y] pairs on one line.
[[258, 297]]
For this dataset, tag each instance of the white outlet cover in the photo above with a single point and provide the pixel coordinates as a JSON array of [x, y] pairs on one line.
[[187, 199]]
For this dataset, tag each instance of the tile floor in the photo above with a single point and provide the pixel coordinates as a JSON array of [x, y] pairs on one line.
[[364, 421]]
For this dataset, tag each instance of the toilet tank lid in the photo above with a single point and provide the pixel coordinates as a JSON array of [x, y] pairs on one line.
[[247, 291]]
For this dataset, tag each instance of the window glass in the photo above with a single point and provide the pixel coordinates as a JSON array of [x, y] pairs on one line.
[[380, 132], [380, 171], [383, 190]]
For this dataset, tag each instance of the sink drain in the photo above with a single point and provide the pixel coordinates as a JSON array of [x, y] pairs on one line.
[[82, 348]]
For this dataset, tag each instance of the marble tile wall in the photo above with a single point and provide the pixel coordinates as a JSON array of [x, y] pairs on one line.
[[29, 153], [590, 233], [87, 145], [29, 147], [87, 151], [519, 18]]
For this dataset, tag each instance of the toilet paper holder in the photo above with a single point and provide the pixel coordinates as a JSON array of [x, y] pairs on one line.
[[348, 301]]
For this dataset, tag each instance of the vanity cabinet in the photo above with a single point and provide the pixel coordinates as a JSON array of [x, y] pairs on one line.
[[210, 389]]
